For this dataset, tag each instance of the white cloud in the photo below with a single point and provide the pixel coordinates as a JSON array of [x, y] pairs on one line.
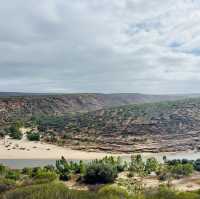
[[100, 46]]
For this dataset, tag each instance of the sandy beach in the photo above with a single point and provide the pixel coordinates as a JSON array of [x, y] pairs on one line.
[[24, 149]]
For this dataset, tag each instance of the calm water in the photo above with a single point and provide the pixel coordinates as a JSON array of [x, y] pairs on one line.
[[19, 164]]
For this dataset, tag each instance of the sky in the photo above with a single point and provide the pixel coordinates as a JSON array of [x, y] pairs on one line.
[[107, 46]]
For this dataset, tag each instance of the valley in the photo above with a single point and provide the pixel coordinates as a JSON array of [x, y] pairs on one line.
[[113, 123]]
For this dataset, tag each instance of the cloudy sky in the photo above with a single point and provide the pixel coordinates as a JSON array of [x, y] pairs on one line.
[[146, 46]]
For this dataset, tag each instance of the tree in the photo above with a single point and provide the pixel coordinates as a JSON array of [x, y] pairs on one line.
[[164, 158], [151, 165], [137, 165], [197, 165]]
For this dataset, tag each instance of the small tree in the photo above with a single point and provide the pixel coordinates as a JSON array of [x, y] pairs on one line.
[[14, 131], [137, 165], [151, 165]]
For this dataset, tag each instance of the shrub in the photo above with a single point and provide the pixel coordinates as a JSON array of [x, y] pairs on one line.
[[161, 193], [3, 170], [137, 165], [113, 191], [151, 165], [14, 132], [182, 169], [27, 171], [33, 136], [48, 191], [98, 172], [187, 195], [65, 176], [66, 169], [197, 165], [42, 174], [13, 175], [6, 184]]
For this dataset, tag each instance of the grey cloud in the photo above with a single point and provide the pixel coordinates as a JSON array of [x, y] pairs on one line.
[[99, 46]]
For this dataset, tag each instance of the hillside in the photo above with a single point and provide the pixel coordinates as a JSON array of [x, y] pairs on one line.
[[149, 127], [24, 105], [109, 122]]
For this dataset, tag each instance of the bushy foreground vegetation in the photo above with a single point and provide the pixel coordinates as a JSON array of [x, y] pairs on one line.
[[101, 171], [41, 183], [59, 191]]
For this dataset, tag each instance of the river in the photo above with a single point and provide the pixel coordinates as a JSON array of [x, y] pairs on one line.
[[21, 163]]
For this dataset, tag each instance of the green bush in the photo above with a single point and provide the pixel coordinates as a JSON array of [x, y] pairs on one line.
[[151, 165], [161, 193], [59, 191], [33, 136], [97, 172], [3, 170], [42, 174], [66, 169], [182, 169], [14, 132], [187, 195], [13, 175], [27, 171], [137, 166], [65, 176], [47, 191], [197, 165], [112, 192]]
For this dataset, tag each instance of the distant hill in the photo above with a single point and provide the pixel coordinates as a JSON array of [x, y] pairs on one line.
[[24, 105]]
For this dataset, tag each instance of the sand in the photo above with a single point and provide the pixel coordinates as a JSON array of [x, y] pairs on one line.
[[25, 149]]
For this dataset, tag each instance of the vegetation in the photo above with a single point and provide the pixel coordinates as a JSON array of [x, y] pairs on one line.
[[33, 136], [59, 191], [14, 130], [122, 122], [97, 172], [38, 182]]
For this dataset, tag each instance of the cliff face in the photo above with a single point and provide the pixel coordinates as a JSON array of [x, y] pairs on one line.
[[16, 105], [150, 127]]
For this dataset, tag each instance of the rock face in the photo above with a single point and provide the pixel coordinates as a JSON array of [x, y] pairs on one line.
[[150, 127], [21, 105]]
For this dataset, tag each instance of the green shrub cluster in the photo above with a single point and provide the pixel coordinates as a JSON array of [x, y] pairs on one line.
[[14, 131], [33, 136], [66, 168], [59, 191], [104, 170]]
